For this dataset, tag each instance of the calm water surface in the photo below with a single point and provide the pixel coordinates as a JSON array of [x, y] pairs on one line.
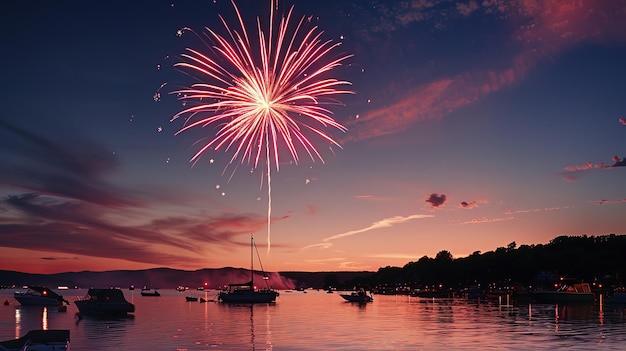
[[317, 320]]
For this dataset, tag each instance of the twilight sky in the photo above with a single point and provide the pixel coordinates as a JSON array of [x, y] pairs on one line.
[[474, 124]]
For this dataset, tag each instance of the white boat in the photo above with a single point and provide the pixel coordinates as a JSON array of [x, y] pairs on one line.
[[39, 296], [248, 292], [39, 340]]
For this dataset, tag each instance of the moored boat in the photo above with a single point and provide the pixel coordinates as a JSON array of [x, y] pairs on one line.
[[567, 292], [248, 292], [191, 298], [150, 293], [39, 296], [361, 296], [39, 340], [104, 303]]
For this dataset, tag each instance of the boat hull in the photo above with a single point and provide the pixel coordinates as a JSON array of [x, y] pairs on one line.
[[562, 297], [39, 296], [357, 298], [29, 300], [41, 340], [104, 303], [101, 309], [248, 297]]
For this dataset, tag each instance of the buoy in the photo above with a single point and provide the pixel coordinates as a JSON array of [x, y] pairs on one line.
[[6, 302]]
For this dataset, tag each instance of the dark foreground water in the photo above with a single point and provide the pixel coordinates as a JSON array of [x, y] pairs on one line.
[[316, 320]]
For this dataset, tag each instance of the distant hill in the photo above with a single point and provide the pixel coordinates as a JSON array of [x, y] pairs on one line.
[[166, 278], [324, 279]]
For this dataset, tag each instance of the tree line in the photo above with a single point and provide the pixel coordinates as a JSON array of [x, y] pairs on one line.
[[593, 259]]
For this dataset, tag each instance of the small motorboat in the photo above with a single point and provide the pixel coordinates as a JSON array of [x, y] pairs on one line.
[[191, 298], [361, 297], [569, 291], [39, 340], [150, 293], [39, 296]]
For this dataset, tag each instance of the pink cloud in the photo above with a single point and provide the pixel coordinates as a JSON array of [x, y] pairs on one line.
[[372, 198], [572, 172], [467, 9], [622, 121], [585, 167], [548, 28], [487, 220], [472, 204], [545, 209], [609, 202]]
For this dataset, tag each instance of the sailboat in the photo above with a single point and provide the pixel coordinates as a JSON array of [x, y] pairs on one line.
[[248, 292]]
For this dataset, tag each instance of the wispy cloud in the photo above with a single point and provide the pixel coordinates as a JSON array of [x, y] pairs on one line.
[[396, 256], [510, 214], [487, 220], [543, 209], [572, 173], [546, 28], [63, 203], [384, 223], [325, 260], [73, 169], [610, 202], [472, 204], [372, 198]]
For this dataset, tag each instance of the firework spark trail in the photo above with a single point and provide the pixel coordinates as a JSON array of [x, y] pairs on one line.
[[263, 96]]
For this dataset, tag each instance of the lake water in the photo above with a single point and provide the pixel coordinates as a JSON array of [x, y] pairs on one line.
[[316, 320]]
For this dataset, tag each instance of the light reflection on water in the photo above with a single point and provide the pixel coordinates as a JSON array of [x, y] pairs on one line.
[[316, 320]]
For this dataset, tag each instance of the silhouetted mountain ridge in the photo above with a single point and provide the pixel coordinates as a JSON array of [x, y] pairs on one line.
[[166, 278]]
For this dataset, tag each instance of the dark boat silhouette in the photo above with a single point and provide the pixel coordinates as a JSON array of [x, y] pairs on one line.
[[248, 292], [104, 303]]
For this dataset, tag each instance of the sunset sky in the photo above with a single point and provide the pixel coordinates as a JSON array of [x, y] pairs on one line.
[[474, 124]]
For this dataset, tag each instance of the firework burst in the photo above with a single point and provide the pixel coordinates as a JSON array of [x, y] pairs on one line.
[[265, 94]]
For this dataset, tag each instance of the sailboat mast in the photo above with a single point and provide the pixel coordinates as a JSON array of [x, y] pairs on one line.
[[252, 262]]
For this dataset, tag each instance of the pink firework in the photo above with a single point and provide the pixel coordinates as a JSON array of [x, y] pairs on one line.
[[263, 95]]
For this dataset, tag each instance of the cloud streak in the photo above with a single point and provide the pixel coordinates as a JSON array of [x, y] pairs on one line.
[[384, 223], [610, 202], [572, 173], [472, 204], [64, 205], [547, 28], [487, 220]]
